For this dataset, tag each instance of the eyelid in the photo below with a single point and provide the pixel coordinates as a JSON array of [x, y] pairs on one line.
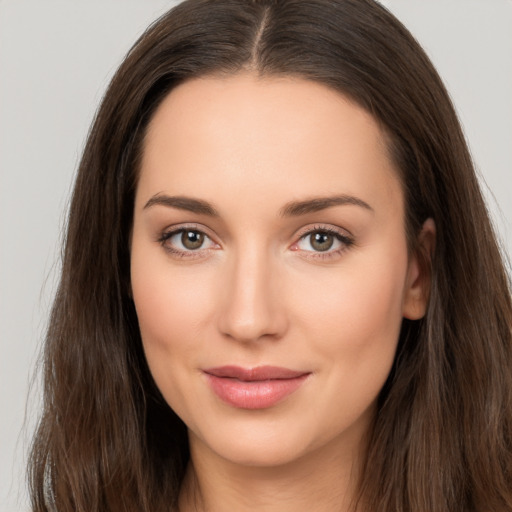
[[166, 234], [328, 228], [343, 236], [192, 226]]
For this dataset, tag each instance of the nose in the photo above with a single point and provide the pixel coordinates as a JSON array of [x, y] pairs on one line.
[[252, 306]]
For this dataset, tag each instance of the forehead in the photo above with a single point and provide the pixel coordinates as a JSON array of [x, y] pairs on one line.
[[265, 135]]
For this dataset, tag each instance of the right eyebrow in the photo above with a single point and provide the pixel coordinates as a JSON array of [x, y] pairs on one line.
[[188, 204]]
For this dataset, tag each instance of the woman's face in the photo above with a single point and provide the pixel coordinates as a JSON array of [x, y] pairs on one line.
[[269, 266]]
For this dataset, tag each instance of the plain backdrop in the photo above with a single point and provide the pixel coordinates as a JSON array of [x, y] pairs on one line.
[[56, 59]]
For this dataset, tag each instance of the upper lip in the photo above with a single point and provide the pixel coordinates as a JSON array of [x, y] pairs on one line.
[[254, 374]]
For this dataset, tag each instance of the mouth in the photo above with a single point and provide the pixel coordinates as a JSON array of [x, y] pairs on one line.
[[254, 388]]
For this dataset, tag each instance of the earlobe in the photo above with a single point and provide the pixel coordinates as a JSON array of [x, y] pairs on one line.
[[419, 273]]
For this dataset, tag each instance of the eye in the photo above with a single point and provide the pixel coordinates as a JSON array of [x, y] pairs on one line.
[[319, 241], [323, 240], [186, 240], [191, 240]]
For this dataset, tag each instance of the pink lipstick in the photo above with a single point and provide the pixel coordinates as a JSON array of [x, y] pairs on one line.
[[254, 388]]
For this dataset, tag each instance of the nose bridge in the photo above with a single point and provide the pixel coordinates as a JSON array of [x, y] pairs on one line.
[[251, 308]]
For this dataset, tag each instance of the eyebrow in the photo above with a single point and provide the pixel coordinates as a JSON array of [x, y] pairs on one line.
[[183, 203], [291, 209], [296, 208]]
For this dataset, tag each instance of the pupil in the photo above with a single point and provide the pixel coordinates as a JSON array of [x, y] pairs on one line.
[[322, 241], [192, 239]]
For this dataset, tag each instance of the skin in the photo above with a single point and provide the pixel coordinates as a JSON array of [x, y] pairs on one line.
[[259, 292]]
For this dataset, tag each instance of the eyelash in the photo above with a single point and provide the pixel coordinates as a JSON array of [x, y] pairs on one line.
[[346, 242], [177, 253]]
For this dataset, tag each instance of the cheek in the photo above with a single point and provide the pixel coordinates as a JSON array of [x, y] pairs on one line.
[[351, 320], [355, 312], [169, 304], [173, 305]]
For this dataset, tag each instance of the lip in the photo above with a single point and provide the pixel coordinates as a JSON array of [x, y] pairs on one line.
[[254, 388]]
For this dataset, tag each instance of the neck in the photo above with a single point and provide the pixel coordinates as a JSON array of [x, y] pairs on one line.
[[324, 481]]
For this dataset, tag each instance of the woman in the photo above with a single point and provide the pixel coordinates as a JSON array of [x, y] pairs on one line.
[[280, 287]]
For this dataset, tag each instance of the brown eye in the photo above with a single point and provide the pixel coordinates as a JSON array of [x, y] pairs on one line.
[[321, 241], [187, 242], [192, 240]]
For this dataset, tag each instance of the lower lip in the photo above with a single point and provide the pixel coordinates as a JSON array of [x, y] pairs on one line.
[[254, 394]]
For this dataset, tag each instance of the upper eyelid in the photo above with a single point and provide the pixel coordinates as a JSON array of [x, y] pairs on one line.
[[328, 228], [177, 228], [164, 236], [167, 234], [299, 234]]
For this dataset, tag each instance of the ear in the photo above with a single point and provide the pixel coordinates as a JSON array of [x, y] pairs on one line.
[[419, 273]]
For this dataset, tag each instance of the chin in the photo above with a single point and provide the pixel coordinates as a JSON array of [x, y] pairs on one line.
[[258, 452], [267, 441]]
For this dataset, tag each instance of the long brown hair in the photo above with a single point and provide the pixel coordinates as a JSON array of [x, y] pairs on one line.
[[442, 437]]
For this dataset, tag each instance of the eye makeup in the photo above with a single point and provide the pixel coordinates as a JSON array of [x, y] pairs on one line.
[[325, 242], [318, 242], [187, 241]]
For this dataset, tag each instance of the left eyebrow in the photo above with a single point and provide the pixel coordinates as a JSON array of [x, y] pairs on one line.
[[296, 208]]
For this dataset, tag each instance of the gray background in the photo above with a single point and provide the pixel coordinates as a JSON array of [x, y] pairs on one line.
[[56, 58]]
